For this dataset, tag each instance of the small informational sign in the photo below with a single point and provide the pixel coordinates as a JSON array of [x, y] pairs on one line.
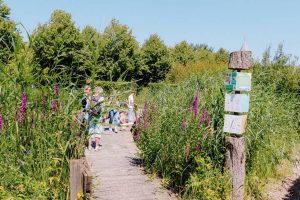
[[235, 124], [240, 60], [238, 81], [237, 102]]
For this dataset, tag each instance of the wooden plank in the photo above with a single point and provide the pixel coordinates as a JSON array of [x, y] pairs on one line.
[[237, 102], [76, 179], [87, 177], [240, 60], [235, 124]]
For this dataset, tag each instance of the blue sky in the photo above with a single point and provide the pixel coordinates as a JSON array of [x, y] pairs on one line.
[[218, 23]]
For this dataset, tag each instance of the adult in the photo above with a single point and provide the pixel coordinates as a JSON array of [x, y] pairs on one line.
[[131, 107]]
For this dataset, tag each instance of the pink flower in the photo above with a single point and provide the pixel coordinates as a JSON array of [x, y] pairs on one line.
[[196, 104], [205, 118], [44, 99], [57, 90], [183, 125], [137, 135], [198, 146], [54, 105], [22, 109], [1, 121]]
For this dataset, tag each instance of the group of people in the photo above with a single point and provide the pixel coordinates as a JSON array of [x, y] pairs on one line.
[[93, 109]]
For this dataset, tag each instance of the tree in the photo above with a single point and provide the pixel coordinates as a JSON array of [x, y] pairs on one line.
[[8, 34], [119, 58], [93, 45], [266, 56], [58, 47], [183, 53], [222, 56], [156, 57]]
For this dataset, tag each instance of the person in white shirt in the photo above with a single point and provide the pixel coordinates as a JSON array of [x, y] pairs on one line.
[[131, 107]]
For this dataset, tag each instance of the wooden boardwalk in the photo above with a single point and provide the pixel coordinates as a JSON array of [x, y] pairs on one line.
[[117, 173]]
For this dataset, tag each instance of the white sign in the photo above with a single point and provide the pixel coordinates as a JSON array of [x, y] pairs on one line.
[[235, 124], [237, 102]]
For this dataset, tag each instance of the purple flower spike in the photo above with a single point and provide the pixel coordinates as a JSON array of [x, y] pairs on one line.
[[24, 102], [44, 99], [198, 146], [1, 121], [203, 116], [57, 90], [187, 152], [196, 104], [22, 109], [54, 105], [183, 125]]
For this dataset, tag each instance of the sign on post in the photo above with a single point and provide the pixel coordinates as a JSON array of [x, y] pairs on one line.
[[238, 81], [235, 124], [237, 102]]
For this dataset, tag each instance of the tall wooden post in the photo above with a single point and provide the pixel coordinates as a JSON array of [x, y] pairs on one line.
[[237, 103], [76, 179]]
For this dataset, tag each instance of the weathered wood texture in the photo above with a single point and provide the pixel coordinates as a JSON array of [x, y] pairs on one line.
[[80, 178], [235, 160], [117, 172], [240, 60]]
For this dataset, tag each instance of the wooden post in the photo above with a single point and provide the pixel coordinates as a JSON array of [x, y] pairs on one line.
[[235, 123], [235, 161], [76, 179]]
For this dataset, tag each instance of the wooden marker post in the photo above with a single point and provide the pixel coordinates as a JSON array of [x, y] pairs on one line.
[[235, 121]]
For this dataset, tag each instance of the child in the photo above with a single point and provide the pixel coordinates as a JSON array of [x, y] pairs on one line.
[[95, 127]]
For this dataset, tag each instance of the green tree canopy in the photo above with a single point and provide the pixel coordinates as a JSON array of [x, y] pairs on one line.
[[156, 57], [8, 34], [58, 46], [119, 57], [183, 53]]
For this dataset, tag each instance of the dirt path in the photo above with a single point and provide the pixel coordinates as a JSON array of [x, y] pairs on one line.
[[288, 188], [117, 172]]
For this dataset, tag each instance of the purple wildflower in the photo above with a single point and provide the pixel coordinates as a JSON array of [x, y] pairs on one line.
[[190, 109], [198, 146], [187, 152], [1, 121], [44, 99], [146, 108], [183, 125], [137, 135], [54, 105], [22, 109], [196, 103], [203, 116], [57, 90]]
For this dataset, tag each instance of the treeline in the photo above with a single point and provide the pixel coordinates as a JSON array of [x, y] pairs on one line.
[[60, 50]]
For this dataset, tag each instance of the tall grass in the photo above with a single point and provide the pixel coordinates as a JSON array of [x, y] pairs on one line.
[[37, 132], [191, 159]]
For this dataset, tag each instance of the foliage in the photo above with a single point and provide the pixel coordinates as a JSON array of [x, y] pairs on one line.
[[156, 57], [170, 150], [8, 34], [120, 58], [57, 47], [183, 53]]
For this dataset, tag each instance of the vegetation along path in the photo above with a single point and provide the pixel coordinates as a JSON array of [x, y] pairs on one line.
[[117, 172]]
